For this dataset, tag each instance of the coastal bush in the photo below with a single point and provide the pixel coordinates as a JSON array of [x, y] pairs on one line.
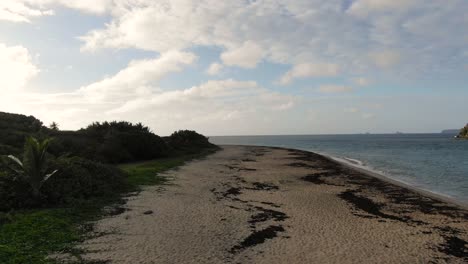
[[77, 181], [14, 128], [110, 142], [463, 132], [188, 141], [33, 168], [80, 180]]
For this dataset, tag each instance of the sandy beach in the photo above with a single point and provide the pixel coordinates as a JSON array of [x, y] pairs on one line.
[[270, 205]]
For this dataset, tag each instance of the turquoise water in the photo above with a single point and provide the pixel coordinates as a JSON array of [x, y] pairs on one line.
[[433, 162]]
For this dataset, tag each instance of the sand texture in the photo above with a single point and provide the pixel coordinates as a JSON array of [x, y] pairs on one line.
[[270, 205]]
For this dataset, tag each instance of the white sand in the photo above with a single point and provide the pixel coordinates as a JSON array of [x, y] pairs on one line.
[[196, 220]]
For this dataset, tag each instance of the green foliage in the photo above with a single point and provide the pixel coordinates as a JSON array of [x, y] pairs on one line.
[[33, 167], [54, 126], [79, 180], [80, 185], [146, 173], [14, 129], [463, 132], [113, 142], [30, 236], [188, 141], [76, 182]]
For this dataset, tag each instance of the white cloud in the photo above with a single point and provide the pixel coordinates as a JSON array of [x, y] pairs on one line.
[[246, 56], [16, 68], [137, 78], [19, 11], [363, 8], [385, 59], [305, 70], [367, 115], [215, 107], [361, 81], [351, 110], [287, 32], [90, 6], [332, 88], [214, 68]]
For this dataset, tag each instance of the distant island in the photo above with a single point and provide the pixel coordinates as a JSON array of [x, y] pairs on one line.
[[463, 132], [451, 131]]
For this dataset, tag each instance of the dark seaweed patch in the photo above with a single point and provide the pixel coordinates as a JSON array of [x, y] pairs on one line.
[[239, 168], [314, 178], [455, 246], [233, 191], [258, 237], [265, 215], [368, 206], [271, 204], [300, 165], [260, 186]]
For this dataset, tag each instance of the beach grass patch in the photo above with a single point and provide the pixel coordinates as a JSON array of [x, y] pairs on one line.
[[31, 235], [147, 173]]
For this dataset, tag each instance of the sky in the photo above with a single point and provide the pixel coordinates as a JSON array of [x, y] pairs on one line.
[[240, 67]]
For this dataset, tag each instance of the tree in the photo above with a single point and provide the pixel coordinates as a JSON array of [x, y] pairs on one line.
[[54, 126], [463, 132], [33, 167]]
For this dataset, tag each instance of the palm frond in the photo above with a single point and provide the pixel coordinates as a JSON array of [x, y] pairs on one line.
[[15, 159]]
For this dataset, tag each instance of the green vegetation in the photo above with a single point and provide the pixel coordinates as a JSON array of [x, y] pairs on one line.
[[41, 215], [463, 132], [146, 173], [33, 168], [14, 129], [29, 236]]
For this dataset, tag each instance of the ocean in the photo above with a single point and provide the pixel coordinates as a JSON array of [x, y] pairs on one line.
[[433, 162]]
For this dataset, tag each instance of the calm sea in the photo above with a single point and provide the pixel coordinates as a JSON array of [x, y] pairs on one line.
[[433, 162]]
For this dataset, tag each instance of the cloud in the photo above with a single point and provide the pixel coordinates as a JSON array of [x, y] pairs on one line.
[[19, 11], [385, 59], [245, 56], [214, 69], [351, 110], [361, 81], [215, 107], [287, 32], [137, 78], [133, 94], [16, 68], [363, 8], [367, 115], [305, 70], [332, 88]]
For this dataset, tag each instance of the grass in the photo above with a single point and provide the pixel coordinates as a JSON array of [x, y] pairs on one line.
[[146, 173], [30, 236]]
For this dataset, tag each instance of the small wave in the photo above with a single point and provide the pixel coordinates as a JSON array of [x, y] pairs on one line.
[[354, 161]]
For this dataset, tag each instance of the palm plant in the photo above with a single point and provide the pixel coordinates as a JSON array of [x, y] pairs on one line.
[[54, 126], [33, 167]]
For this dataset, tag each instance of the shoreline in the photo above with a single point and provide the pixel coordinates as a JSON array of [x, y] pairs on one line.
[[253, 204], [425, 192]]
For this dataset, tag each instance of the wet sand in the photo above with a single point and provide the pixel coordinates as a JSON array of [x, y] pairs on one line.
[[269, 205]]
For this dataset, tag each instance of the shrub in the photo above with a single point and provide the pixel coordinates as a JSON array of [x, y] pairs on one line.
[[113, 142], [15, 194], [79, 180], [188, 141], [33, 167]]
